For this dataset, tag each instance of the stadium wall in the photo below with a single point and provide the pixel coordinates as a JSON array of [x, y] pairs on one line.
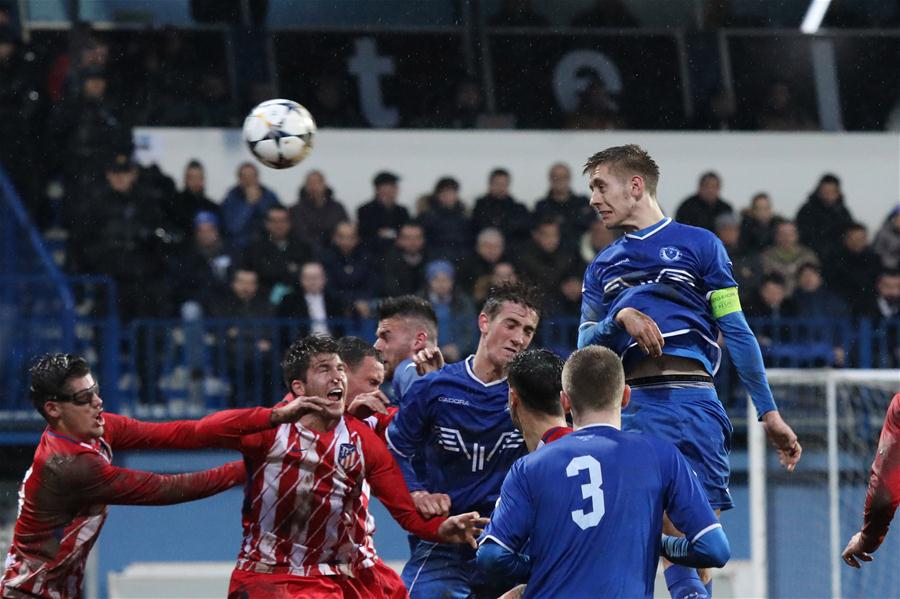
[[786, 165]]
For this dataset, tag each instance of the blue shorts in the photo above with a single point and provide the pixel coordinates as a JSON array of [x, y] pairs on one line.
[[436, 571], [693, 419]]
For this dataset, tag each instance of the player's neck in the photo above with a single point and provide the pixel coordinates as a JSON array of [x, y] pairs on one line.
[[485, 370], [534, 426], [645, 214], [321, 423], [612, 418]]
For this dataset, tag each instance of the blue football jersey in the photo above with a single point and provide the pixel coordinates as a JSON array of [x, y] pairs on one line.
[[405, 375], [462, 426], [667, 271], [588, 510]]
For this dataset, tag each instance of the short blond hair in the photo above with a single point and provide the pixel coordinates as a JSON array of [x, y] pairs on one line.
[[594, 379]]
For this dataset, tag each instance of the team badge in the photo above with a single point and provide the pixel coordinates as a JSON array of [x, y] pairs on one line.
[[670, 253], [347, 455]]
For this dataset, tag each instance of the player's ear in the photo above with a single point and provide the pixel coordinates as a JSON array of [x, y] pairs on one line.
[[483, 321], [566, 404], [637, 186], [298, 388], [420, 341], [52, 409], [626, 396]]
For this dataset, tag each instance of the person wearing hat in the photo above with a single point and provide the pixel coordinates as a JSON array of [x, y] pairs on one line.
[[455, 310], [380, 219], [201, 272], [447, 226]]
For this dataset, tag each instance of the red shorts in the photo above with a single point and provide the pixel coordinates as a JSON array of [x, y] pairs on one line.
[[377, 582]]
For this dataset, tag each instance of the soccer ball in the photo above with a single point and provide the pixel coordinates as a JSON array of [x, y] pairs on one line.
[[279, 133]]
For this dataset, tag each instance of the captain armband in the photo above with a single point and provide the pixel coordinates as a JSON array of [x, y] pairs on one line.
[[724, 301]]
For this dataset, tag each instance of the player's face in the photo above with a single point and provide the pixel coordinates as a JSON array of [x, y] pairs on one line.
[[509, 332], [326, 377], [80, 412], [395, 341], [367, 377], [612, 197]]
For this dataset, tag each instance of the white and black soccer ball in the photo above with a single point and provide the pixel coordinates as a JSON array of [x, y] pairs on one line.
[[279, 133]]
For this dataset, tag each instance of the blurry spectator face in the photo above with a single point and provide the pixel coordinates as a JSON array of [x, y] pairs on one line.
[[194, 180], [122, 181], [366, 378], [504, 272], [560, 179], [571, 289], [786, 235], [248, 176], [206, 235], [441, 284], [829, 193], [312, 278], [729, 234], [809, 279], [245, 284], [386, 193], [761, 209], [547, 237], [600, 235], [498, 186], [772, 294], [709, 189], [856, 240], [6, 50], [889, 287], [94, 87], [346, 237], [490, 245], [278, 224], [448, 197], [315, 184], [780, 97], [95, 54], [411, 239], [468, 96]]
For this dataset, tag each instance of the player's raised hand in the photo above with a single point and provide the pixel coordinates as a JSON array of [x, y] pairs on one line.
[[784, 439], [431, 504], [297, 408], [643, 329], [853, 552], [428, 360], [366, 404], [463, 528]]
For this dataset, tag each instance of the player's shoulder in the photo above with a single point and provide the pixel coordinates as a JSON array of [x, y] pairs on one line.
[[692, 234]]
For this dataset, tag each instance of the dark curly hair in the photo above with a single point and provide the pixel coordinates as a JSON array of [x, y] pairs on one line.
[[49, 374], [517, 293], [354, 350], [536, 375], [300, 353]]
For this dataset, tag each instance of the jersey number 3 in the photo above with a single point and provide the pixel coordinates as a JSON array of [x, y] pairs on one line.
[[590, 490]]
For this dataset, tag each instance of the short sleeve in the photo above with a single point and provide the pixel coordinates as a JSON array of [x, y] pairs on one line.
[[716, 268], [686, 503], [512, 521]]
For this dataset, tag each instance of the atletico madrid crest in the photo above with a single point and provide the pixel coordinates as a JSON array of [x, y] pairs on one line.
[[347, 455]]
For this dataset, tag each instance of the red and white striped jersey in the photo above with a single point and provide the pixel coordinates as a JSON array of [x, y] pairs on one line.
[[64, 496], [306, 505]]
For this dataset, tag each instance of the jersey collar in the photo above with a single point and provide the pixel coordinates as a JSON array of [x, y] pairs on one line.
[[468, 362], [587, 426], [647, 232]]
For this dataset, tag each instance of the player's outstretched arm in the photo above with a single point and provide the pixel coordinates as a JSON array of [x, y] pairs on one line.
[[90, 479], [883, 494]]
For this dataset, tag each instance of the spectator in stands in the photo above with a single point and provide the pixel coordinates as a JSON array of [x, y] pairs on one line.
[[702, 208], [183, 207], [824, 217], [88, 129], [464, 110], [782, 112], [596, 109], [544, 262], [332, 106], [350, 269], [885, 312], [316, 212], [244, 299], [768, 309], [244, 208], [606, 13], [318, 310], [813, 299], [498, 209], [117, 237], [786, 255], [562, 308], [517, 13], [747, 266], [19, 103], [278, 256], [758, 224], [887, 240], [404, 264], [594, 240], [455, 311], [476, 271], [852, 270], [201, 273], [380, 219], [718, 113], [573, 211], [447, 226]]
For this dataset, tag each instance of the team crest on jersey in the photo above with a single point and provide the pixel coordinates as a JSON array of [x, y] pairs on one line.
[[347, 455], [669, 253]]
